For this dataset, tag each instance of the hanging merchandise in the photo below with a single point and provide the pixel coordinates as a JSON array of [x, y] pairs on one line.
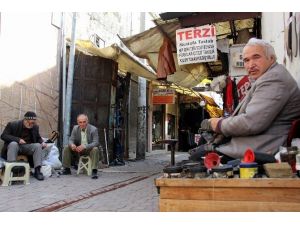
[[235, 93], [230, 96], [166, 64]]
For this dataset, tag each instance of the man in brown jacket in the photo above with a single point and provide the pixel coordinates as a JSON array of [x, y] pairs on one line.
[[263, 119]]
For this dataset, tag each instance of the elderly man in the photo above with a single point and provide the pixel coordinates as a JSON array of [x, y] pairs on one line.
[[23, 137], [84, 140], [263, 118]]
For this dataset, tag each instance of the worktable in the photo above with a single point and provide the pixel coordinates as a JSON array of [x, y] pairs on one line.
[[229, 195]]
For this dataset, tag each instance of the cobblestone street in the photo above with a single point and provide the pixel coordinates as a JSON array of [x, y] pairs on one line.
[[128, 188]]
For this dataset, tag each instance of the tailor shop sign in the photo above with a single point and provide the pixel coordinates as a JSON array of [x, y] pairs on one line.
[[163, 96], [196, 45]]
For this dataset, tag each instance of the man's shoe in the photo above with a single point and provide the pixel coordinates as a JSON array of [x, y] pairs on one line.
[[38, 176], [94, 174], [66, 171]]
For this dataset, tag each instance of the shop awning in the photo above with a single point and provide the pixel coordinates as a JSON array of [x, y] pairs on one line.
[[126, 62], [228, 25], [147, 44]]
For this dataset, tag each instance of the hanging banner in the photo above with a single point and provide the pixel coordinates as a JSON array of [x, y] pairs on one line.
[[196, 44], [163, 96]]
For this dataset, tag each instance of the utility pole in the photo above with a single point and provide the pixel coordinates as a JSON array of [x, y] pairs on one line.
[[142, 108], [67, 116]]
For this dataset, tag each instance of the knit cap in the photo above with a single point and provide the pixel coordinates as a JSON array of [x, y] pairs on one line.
[[30, 115]]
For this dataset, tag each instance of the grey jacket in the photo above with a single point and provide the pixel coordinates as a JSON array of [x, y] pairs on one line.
[[92, 136], [262, 120]]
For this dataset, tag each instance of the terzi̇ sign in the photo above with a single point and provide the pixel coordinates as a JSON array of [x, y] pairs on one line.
[[196, 44]]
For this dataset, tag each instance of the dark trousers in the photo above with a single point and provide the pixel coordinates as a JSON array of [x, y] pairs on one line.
[[199, 152]]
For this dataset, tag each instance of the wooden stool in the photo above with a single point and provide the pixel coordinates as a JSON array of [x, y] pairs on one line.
[[7, 176], [85, 163]]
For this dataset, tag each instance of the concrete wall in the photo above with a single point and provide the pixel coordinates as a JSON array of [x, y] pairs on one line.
[[273, 30], [29, 77], [28, 72]]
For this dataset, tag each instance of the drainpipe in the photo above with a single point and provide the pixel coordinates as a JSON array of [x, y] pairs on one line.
[[68, 99]]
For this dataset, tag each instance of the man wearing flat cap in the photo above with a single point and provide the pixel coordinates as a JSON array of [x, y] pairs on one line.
[[23, 137]]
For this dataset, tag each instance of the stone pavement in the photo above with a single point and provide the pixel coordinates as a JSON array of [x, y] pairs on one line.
[[128, 188]]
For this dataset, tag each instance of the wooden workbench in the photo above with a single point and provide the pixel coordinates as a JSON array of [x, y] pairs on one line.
[[223, 195]]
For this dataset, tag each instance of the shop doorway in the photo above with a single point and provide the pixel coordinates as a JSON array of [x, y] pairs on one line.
[[157, 126], [191, 116]]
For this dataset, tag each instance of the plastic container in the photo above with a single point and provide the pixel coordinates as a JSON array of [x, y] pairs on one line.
[[212, 160], [225, 171], [196, 172], [248, 170]]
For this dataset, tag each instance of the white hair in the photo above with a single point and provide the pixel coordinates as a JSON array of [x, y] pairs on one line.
[[269, 50], [82, 114]]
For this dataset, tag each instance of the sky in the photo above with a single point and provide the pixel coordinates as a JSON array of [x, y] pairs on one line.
[[150, 5]]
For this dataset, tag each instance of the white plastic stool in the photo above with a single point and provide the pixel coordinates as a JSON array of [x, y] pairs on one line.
[[7, 177], [85, 163]]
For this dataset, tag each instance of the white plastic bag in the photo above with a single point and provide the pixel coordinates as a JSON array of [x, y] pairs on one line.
[[46, 171], [52, 158]]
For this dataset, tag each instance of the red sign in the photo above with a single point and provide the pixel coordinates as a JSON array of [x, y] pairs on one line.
[[163, 96]]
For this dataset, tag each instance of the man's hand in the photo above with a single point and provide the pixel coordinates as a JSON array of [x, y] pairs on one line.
[[80, 148], [73, 147], [214, 123], [22, 142], [205, 125], [44, 145]]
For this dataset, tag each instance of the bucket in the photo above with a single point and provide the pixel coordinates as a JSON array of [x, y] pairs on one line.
[[248, 170]]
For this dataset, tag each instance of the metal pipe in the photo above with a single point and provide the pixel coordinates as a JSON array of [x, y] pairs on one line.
[[106, 148], [61, 71], [64, 65], [68, 100]]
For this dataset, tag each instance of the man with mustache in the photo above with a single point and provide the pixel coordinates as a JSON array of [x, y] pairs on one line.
[[263, 118]]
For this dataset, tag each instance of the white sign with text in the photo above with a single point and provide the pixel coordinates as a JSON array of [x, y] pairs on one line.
[[196, 45]]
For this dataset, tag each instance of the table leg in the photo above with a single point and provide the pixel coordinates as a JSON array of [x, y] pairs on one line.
[[172, 155]]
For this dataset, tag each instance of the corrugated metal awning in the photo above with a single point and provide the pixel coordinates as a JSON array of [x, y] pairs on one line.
[[126, 62]]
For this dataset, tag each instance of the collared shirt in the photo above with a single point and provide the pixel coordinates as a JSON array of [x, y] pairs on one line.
[[83, 137]]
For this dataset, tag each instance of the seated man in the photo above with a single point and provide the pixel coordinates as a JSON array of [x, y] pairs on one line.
[[84, 140], [23, 137], [263, 118]]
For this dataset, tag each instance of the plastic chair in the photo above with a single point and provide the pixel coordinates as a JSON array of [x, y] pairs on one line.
[[8, 177], [85, 163]]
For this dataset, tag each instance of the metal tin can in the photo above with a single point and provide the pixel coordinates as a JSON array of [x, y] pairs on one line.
[[196, 172], [248, 170], [225, 171], [172, 172]]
